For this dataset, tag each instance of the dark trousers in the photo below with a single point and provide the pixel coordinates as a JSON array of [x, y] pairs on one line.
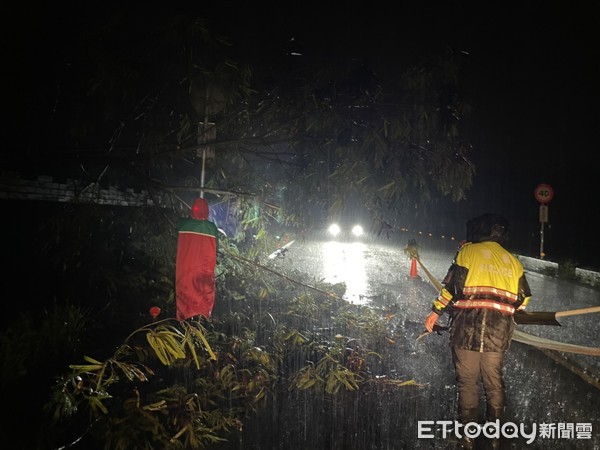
[[470, 367]]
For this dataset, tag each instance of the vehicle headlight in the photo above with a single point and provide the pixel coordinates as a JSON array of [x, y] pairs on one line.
[[334, 229], [357, 230]]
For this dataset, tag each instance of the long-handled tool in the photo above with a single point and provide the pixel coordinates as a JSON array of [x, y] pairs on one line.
[[520, 317], [549, 317], [518, 335]]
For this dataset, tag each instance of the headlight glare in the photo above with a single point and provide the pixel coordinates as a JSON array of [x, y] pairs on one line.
[[357, 230], [334, 229]]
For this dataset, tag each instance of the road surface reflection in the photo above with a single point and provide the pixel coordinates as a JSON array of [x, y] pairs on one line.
[[344, 262]]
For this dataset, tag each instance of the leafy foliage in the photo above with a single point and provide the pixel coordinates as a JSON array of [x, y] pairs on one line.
[[190, 384], [283, 146], [168, 384], [390, 147], [285, 150]]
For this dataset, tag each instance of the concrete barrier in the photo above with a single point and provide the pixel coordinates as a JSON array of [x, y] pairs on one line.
[[548, 267]]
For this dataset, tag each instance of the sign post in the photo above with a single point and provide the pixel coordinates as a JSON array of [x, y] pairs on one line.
[[543, 194]]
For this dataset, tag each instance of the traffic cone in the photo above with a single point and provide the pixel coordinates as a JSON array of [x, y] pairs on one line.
[[413, 268]]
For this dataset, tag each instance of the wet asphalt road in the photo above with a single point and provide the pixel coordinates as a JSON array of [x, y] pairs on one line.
[[539, 389]]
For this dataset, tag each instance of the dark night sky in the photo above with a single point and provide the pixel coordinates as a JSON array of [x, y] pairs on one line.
[[531, 76]]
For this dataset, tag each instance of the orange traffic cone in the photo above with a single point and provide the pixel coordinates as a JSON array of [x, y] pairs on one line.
[[413, 268]]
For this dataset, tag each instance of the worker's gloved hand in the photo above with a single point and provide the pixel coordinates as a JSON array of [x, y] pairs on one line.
[[430, 321]]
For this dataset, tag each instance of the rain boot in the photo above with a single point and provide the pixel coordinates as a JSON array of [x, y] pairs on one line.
[[492, 415], [465, 416]]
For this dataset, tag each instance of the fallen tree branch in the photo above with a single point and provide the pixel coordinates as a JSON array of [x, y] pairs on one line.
[[279, 274]]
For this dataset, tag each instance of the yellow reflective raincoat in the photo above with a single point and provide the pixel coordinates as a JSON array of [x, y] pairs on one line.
[[482, 289]]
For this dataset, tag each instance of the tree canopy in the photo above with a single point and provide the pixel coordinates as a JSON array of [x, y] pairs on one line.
[[148, 104], [161, 103]]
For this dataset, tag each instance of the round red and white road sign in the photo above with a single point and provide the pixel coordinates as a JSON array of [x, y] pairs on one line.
[[543, 193]]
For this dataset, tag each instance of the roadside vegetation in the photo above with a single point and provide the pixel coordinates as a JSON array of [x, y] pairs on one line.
[[168, 109], [111, 368]]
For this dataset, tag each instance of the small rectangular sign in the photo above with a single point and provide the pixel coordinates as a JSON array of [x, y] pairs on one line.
[[543, 214]]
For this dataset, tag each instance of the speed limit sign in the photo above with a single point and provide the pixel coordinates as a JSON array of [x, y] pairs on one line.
[[543, 193]]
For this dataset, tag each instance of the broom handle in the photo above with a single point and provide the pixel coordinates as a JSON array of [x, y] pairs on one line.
[[433, 280], [574, 312]]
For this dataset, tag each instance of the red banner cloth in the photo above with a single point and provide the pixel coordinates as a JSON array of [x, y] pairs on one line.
[[197, 245]]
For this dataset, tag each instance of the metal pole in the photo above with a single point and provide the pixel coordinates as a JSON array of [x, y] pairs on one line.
[[204, 141], [202, 174], [542, 242]]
